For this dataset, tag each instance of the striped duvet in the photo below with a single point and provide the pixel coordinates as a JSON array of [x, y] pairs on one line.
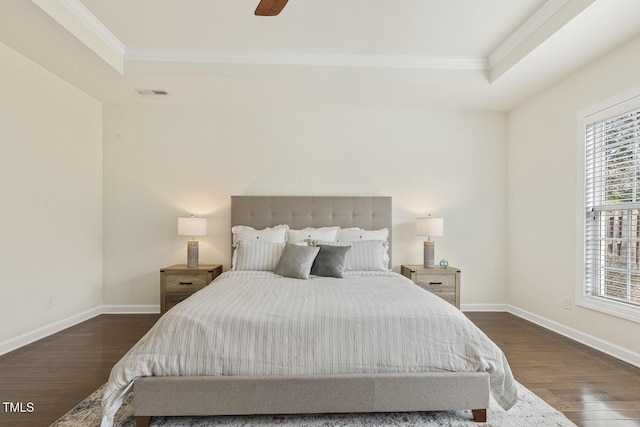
[[259, 323]]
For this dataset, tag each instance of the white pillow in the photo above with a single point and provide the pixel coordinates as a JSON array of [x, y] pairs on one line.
[[367, 255], [254, 255], [328, 234], [276, 234], [354, 234]]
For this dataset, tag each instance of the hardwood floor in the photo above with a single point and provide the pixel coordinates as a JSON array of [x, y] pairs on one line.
[[589, 387], [56, 373]]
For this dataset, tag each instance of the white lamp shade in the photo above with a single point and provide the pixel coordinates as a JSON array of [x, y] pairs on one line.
[[430, 226], [191, 226]]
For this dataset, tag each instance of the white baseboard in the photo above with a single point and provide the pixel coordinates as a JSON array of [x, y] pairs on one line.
[[606, 347], [130, 309], [43, 332], [586, 339], [484, 307]]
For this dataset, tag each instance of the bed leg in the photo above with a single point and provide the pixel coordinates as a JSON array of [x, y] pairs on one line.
[[143, 421], [479, 415]]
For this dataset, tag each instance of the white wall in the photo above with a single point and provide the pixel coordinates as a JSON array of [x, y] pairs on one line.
[[542, 177], [51, 203], [162, 162]]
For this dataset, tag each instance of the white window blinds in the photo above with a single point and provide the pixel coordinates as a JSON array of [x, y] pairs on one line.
[[612, 199]]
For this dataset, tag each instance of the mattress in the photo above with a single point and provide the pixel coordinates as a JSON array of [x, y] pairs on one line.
[[259, 323]]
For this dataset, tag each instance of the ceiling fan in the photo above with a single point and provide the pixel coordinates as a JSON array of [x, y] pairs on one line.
[[270, 7]]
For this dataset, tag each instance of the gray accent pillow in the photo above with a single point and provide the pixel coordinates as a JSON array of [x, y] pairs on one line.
[[330, 261], [296, 261]]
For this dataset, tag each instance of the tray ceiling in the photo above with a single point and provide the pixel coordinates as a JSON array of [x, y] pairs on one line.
[[488, 54]]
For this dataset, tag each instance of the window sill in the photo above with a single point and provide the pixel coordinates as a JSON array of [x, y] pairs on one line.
[[612, 308]]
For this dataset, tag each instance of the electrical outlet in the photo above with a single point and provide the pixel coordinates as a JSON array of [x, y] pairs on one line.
[[566, 303], [49, 302]]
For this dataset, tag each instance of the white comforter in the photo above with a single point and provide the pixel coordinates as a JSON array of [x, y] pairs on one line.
[[259, 323]]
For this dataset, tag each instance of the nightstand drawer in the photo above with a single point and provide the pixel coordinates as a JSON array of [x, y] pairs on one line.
[[437, 282], [443, 282], [185, 282], [179, 282]]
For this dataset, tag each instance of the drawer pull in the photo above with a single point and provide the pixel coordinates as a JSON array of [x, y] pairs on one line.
[[186, 283], [435, 283]]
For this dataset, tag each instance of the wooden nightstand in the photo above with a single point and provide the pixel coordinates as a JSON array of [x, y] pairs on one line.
[[444, 282], [179, 282]]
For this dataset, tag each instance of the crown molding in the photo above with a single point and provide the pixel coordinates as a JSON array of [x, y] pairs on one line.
[[124, 53], [79, 21], [91, 22], [534, 22], [100, 39], [298, 58]]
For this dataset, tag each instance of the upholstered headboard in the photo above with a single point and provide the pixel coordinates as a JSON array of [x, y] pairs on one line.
[[370, 213]]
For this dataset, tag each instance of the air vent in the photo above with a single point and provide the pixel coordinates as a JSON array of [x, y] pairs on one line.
[[152, 92]]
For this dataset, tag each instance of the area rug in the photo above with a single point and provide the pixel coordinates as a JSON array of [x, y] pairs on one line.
[[529, 411]]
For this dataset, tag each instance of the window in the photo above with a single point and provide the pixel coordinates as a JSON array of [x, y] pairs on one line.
[[610, 142]]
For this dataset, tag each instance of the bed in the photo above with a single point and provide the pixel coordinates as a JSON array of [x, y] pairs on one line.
[[328, 359]]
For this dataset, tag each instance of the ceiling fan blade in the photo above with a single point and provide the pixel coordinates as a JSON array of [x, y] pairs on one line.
[[270, 7]]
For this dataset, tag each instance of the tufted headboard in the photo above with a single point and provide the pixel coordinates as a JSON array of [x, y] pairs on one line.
[[370, 213]]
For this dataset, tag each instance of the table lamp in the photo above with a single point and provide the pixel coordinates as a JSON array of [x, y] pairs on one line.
[[192, 226], [429, 227]]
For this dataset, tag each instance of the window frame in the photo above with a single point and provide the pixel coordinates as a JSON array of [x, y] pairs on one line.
[[608, 108]]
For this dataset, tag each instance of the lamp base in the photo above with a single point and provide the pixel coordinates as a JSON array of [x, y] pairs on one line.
[[429, 252], [192, 253]]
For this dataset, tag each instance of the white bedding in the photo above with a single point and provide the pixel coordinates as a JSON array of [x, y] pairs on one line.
[[259, 323]]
